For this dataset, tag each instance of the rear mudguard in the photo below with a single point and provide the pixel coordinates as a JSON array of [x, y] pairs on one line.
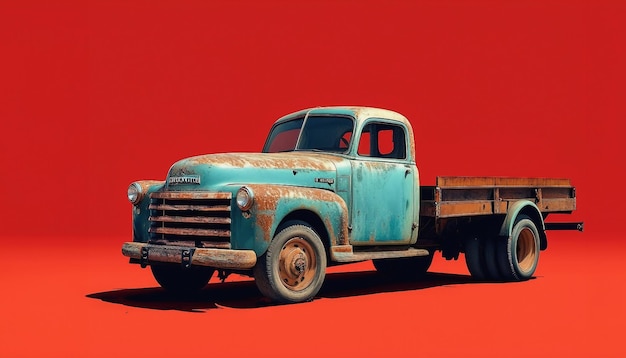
[[528, 208]]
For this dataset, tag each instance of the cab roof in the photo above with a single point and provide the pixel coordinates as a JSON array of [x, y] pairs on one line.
[[358, 112]]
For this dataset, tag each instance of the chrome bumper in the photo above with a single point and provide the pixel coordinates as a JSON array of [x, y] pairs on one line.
[[190, 256]]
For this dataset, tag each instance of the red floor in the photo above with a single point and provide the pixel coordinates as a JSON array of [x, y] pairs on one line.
[[88, 302]]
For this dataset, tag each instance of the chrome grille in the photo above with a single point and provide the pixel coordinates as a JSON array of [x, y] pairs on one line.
[[199, 219]]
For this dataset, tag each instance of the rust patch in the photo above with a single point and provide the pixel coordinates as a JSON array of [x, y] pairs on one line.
[[146, 184], [331, 232], [213, 257], [228, 259], [342, 248], [267, 197], [465, 182], [190, 195], [190, 232], [265, 221], [291, 160]]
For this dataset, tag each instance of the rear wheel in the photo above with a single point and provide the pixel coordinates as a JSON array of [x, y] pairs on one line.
[[175, 278], [480, 258], [293, 267], [474, 257], [491, 260], [518, 255]]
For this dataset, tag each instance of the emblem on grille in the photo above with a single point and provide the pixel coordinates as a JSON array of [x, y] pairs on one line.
[[187, 179]]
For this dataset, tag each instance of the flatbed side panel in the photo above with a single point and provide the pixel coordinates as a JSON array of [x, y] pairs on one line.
[[465, 208], [464, 182], [488, 196]]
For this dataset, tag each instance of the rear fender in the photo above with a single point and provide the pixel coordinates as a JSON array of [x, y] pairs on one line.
[[530, 209]]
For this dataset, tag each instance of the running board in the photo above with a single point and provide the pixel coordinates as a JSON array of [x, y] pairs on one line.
[[344, 253]]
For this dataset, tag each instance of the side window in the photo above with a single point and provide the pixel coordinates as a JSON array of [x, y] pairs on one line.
[[364, 142], [344, 142], [382, 141], [385, 143]]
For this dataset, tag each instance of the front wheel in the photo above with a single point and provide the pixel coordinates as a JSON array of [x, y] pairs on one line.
[[177, 279], [293, 267]]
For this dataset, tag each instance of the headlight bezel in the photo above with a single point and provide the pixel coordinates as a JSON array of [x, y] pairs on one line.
[[244, 198], [135, 193]]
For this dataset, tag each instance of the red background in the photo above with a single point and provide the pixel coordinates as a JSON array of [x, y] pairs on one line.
[[95, 95]]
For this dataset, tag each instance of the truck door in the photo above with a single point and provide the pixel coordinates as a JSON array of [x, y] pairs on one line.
[[383, 188]]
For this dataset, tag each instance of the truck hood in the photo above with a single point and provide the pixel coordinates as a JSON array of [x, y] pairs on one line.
[[212, 171]]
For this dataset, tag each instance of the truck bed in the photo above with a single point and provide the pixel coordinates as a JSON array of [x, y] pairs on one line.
[[473, 196]]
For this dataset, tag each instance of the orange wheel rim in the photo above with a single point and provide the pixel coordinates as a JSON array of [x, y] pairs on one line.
[[526, 250], [297, 264]]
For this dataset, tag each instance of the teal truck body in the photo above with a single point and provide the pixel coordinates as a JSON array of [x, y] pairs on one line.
[[334, 185]]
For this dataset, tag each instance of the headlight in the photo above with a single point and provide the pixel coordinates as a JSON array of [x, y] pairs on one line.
[[245, 198], [135, 194]]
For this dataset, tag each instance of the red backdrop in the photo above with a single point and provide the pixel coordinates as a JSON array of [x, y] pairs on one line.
[[95, 95]]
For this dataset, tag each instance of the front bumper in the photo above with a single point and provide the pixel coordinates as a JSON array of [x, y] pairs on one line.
[[190, 256]]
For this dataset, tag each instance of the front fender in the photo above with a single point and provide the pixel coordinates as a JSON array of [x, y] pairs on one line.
[[530, 209], [273, 203]]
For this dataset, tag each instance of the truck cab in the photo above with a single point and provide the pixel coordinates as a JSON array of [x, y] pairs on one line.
[[377, 166]]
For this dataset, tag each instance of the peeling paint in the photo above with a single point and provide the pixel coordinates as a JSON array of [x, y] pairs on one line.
[[291, 160], [146, 184], [264, 221], [274, 202]]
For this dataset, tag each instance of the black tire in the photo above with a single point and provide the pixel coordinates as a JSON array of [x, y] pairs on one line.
[[474, 257], [293, 267], [405, 267], [518, 255], [176, 279], [490, 254]]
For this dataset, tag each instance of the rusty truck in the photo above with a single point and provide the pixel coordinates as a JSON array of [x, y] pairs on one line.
[[334, 185]]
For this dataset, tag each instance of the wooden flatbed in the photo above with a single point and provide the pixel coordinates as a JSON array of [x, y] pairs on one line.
[[478, 196]]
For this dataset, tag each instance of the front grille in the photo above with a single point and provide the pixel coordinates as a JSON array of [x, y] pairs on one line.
[[198, 219]]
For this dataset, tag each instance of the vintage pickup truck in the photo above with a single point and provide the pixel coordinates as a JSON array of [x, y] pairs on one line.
[[334, 185]]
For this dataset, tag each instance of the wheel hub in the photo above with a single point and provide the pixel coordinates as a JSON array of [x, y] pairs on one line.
[[296, 262], [299, 264]]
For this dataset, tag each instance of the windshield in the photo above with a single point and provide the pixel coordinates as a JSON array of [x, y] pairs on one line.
[[324, 133]]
